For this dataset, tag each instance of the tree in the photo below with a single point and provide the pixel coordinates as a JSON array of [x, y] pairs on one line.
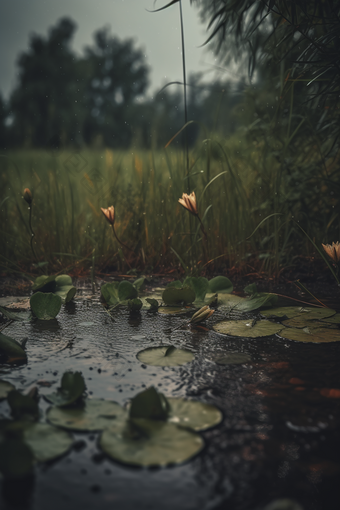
[[117, 76], [46, 104]]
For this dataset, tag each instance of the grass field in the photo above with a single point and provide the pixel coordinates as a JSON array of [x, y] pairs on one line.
[[69, 188]]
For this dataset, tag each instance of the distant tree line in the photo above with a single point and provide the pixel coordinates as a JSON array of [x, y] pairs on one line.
[[99, 98]]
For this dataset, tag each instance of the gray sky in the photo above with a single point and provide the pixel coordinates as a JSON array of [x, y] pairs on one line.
[[158, 33]]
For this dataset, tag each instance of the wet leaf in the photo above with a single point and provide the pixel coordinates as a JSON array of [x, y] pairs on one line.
[[44, 284], [199, 285], [232, 358], [163, 357], [150, 443], [149, 404], [177, 296], [11, 348], [72, 389], [220, 284], [5, 388], [176, 283], [248, 328], [297, 311], [229, 300], [22, 406], [256, 301], [194, 415], [172, 310], [11, 315], [139, 284], [154, 305], [94, 415], [64, 288], [134, 305], [126, 291], [311, 334], [46, 442], [109, 292], [45, 306]]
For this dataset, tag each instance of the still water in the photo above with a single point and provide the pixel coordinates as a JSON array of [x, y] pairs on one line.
[[279, 437]]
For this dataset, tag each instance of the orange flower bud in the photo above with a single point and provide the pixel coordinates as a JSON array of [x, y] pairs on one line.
[[109, 214], [189, 203], [28, 196], [333, 251]]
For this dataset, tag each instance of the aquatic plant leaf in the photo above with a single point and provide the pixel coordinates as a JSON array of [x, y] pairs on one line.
[[311, 334], [5, 388], [93, 416], [46, 442], [199, 285], [149, 404], [154, 305], [44, 283], [250, 289], [334, 319], [109, 292], [176, 283], [163, 357], [299, 311], [139, 284], [22, 406], [256, 301], [177, 296], [45, 306], [126, 291], [16, 458], [150, 443], [11, 348], [220, 284], [172, 310], [193, 415], [72, 389], [134, 305], [63, 280], [232, 358], [229, 300], [248, 328], [10, 315]]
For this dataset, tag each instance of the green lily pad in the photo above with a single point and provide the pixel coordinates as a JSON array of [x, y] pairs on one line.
[[45, 306], [335, 319], [109, 292], [248, 328], [229, 300], [311, 334], [165, 356], [5, 388], [172, 310], [22, 406], [139, 284], [149, 404], [72, 389], [256, 301], [176, 296], [194, 415], [176, 283], [46, 442], [297, 311], [199, 285], [65, 288], [94, 415], [150, 443], [44, 284], [134, 305], [11, 348], [232, 358], [126, 291], [220, 284]]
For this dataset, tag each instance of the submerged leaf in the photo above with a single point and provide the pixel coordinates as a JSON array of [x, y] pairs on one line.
[[45, 306], [172, 310], [248, 328], [150, 443], [94, 415], [44, 283], [194, 415], [165, 356]]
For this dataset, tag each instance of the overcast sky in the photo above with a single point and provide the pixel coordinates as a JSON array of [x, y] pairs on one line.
[[157, 33]]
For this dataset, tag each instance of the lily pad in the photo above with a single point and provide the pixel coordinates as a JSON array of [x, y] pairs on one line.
[[134, 305], [44, 283], [229, 300], [335, 319], [232, 358], [45, 306], [220, 284], [11, 348], [149, 404], [72, 388], [248, 328], [109, 292], [194, 415], [22, 406], [126, 291], [165, 356], [5, 388], [46, 442], [257, 301], [311, 334], [94, 415], [139, 284], [297, 311], [172, 310], [176, 296], [150, 443], [65, 288], [199, 285]]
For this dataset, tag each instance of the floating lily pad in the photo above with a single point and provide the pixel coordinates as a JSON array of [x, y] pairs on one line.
[[94, 415], [257, 301], [65, 288], [150, 443], [232, 358], [248, 328], [11, 348], [165, 356], [297, 311], [5, 388], [45, 306], [311, 334], [72, 388], [44, 283], [46, 442], [230, 300], [194, 415], [335, 319], [199, 285], [22, 406], [220, 284], [109, 292], [176, 296], [172, 310], [126, 291]]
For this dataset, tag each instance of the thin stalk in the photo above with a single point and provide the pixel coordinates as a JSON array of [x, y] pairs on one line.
[[32, 233], [185, 97], [93, 276], [122, 244]]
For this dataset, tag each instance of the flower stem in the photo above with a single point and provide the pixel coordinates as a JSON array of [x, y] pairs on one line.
[[122, 244], [32, 233]]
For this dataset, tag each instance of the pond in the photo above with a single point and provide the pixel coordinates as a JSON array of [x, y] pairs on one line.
[[279, 437]]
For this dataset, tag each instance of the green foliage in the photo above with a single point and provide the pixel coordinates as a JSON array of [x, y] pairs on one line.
[[13, 350], [175, 295], [71, 390], [61, 285], [165, 356], [22, 406], [45, 306], [134, 305], [119, 292], [149, 404]]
